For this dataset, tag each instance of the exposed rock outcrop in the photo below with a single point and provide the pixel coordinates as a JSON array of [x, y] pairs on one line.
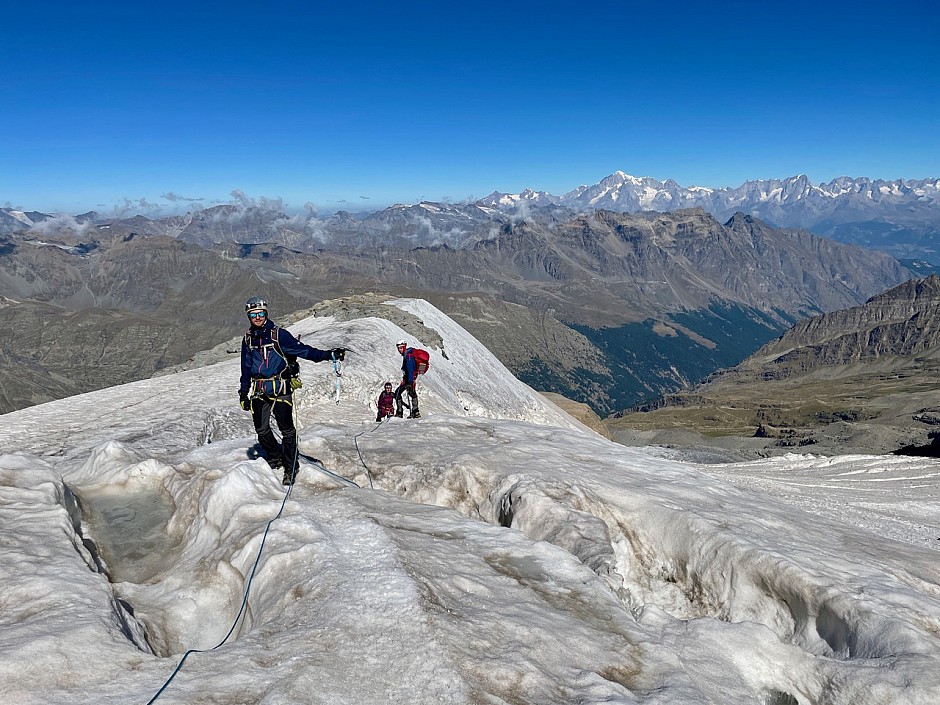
[[863, 379]]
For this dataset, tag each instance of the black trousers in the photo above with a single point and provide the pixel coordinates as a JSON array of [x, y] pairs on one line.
[[412, 397], [282, 408]]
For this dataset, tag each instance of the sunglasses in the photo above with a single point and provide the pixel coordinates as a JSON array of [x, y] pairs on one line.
[[257, 314]]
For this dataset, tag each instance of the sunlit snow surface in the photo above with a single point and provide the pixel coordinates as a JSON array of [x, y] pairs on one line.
[[505, 555]]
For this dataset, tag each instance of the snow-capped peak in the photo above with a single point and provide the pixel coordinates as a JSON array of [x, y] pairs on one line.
[[20, 216]]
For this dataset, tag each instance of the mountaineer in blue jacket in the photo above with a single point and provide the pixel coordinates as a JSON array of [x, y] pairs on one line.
[[269, 377], [409, 378]]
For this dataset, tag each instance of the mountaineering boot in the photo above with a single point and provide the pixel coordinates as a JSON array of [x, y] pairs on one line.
[[399, 413], [414, 414], [288, 477]]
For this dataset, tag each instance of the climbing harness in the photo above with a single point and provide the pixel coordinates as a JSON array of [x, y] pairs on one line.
[[269, 386], [287, 379]]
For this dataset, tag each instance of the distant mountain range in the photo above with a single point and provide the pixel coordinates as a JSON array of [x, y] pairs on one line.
[[900, 217], [622, 192], [607, 308], [611, 294]]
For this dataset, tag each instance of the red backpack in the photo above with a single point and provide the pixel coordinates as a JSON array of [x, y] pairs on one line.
[[422, 360]]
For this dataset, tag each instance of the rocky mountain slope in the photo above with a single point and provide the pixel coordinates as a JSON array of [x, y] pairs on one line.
[[900, 323], [863, 379], [113, 309], [607, 308]]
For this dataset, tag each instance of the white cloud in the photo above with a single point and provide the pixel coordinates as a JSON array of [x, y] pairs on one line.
[[262, 203], [61, 223], [176, 198]]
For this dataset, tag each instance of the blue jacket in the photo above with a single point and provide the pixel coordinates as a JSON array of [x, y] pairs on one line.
[[408, 366], [260, 358]]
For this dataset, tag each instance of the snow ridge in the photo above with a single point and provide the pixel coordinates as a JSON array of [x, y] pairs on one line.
[[507, 554]]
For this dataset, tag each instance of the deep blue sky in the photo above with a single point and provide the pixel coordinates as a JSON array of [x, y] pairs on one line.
[[364, 104]]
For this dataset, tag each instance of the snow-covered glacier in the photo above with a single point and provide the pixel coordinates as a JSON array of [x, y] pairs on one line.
[[494, 551]]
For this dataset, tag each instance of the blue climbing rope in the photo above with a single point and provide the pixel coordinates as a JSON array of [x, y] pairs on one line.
[[264, 538], [241, 610], [359, 451], [251, 576]]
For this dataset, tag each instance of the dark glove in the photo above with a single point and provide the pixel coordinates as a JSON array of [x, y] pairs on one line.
[[338, 354], [244, 401]]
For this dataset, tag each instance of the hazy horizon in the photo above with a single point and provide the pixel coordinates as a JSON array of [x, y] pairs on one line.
[[175, 206]]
